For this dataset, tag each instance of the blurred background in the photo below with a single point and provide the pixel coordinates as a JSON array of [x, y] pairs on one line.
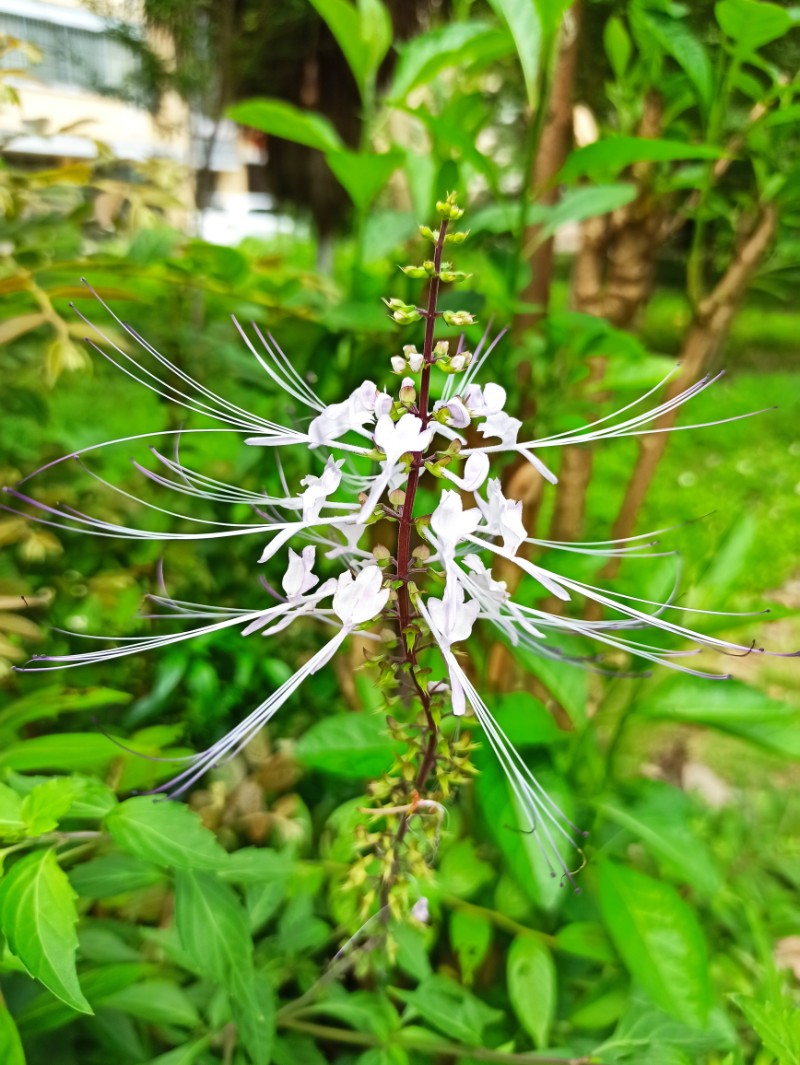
[[630, 173]]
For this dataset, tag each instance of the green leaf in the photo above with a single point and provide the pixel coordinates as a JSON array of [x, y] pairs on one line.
[[183, 1055], [279, 119], [731, 707], [253, 1006], [457, 44], [678, 41], [113, 874], [44, 807], [38, 918], [363, 174], [212, 923], [155, 1001], [585, 940], [46, 1014], [523, 18], [11, 1052], [73, 751], [347, 745], [256, 865], [50, 702], [608, 157], [471, 936], [659, 939], [661, 821], [12, 826], [461, 872], [364, 34], [532, 987], [165, 832], [752, 23], [617, 43], [777, 1025], [450, 1008]]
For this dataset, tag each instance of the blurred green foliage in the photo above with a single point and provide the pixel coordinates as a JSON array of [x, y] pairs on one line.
[[141, 931]]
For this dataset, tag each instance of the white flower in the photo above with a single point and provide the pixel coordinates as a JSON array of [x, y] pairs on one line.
[[503, 517], [476, 470], [420, 911], [490, 399], [383, 404], [452, 524], [415, 361], [450, 620], [299, 577], [398, 364], [459, 415], [394, 439], [360, 599], [319, 488], [340, 418]]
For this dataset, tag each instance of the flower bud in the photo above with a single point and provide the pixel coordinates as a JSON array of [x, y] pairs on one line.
[[453, 276], [415, 361], [414, 271], [456, 238], [429, 266], [458, 318], [408, 391], [398, 364], [427, 233], [406, 317], [397, 497], [441, 349]]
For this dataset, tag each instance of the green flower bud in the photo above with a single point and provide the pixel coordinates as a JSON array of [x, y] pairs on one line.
[[456, 238], [458, 318], [428, 234], [414, 271]]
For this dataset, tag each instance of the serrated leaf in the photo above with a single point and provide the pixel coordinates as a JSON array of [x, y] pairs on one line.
[[347, 745], [659, 939], [38, 918], [532, 987], [12, 826], [777, 1025], [450, 1008], [166, 833], [678, 41], [44, 807], [212, 923], [280, 119]]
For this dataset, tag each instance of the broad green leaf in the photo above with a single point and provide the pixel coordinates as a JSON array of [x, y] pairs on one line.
[[608, 157], [676, 39], [113, 874], [48, 703], [457, 44], [617, 43], [576, 205], [347, 745], [523, 19], [449, 1007], [166, 833], [11, 1052], [662, 823], [586, 940], [365, 1011], [363, 174], [253, 1006], [155, 1001], [777, 1025], [659, 939], [212, 923], [602, 1011], [525, 721], [12, 826], [256, 865], [730, 706], [511, 830], [462, 872], [531, 976], [44, 807], [73, 751], [280, 119], [38, 918], [470, 936], [363, 32], [752, 23]]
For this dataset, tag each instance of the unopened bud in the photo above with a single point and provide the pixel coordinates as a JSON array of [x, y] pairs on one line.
[[397, 497], [381, 553], [441, 349], [416, 361], [458, 318], [429, 266], [398, 363], [406, 317], [427, 233], [421, 553], [408, 391], [456, 238], [414, 271], [453, 276]]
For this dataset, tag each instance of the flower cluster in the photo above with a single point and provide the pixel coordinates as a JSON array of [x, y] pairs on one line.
[[438, 583]]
